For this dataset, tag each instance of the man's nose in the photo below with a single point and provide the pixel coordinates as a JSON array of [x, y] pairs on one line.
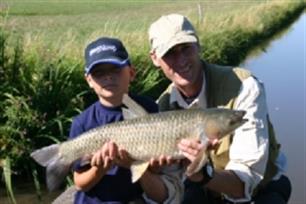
[[181, 58]]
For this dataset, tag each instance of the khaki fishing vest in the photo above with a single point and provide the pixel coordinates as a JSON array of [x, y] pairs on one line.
[[223, 86]]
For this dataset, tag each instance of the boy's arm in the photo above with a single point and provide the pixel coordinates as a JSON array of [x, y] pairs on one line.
[[101, 162], [85, 179]]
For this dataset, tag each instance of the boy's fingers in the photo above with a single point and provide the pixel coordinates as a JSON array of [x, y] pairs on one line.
[[94, 160], [121, 154], [107, 162], [105, 150], [113, 150]]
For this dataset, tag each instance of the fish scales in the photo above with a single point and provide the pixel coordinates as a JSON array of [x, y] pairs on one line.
[[143, 138]]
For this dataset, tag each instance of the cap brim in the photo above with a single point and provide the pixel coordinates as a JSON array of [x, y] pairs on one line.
[[115, 61], [162, 50]]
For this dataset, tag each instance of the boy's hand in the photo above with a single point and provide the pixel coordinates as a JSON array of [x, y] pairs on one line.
[[123, 159], [105, 156]]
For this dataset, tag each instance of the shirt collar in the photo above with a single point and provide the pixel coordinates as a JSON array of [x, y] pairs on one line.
[[198, 102]]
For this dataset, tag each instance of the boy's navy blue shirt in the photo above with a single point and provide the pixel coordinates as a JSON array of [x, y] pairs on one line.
[[115, 187]]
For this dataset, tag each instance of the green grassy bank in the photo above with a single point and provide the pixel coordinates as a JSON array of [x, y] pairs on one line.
[[41, 62]]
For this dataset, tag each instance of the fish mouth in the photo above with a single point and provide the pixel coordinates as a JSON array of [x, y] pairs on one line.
[[237, 117]]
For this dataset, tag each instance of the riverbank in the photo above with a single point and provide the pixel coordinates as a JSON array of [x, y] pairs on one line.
[[41, 79]]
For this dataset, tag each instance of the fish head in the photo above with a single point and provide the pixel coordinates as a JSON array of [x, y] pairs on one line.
[[220, 122]]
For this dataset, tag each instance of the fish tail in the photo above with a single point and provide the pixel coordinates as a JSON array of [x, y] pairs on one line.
[[57, 167]]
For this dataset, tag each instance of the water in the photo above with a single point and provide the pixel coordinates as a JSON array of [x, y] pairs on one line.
[[282, 68]]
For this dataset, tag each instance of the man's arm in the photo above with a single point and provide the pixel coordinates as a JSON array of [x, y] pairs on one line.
[[223, 181], [154, 187], [250, 146], [248, 151], [162, 182]]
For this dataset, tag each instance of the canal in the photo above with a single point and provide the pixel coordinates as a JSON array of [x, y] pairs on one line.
[[281, 65]]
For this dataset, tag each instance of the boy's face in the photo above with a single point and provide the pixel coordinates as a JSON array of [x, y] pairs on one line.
[[109, 81]]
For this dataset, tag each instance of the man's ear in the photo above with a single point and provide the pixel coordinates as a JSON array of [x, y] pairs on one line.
[[154, 59]]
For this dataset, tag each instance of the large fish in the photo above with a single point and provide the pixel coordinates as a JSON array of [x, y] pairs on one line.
[[143, 136]]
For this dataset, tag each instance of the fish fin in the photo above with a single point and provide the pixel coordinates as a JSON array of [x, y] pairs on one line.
[[134, 109], [128, 114], [57, 168], [138, 168]]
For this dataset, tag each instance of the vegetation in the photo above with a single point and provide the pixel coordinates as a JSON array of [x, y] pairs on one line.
[[41, 63]]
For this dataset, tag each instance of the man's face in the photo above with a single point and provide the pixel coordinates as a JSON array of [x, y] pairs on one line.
[[109, 81], [181, 64]]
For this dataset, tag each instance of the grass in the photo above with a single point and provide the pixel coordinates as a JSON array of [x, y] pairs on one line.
[[41, 60]]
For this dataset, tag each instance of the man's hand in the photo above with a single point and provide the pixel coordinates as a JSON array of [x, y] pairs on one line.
[[191, 148], [156, 164]]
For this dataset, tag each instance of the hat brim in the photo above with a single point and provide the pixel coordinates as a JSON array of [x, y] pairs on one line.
[[179, 39], [115, 61]]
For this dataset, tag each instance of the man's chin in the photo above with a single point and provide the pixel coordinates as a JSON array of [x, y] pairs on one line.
[[182, 82]]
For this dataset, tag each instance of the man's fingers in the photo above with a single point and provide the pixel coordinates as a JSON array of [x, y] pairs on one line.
[[169, 160], [154, 162], [191, 143], [189, 149], [190, 157], [214, 144], [162, 160]]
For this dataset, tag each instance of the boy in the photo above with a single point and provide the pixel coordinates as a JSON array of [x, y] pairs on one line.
[[107, 179]]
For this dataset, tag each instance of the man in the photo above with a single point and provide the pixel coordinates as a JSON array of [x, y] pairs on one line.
[[245, 166]]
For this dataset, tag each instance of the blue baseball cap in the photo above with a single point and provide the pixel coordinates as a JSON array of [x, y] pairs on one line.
[[105, 51]]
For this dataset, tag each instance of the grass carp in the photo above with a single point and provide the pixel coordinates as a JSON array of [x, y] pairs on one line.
[[143, 136]]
